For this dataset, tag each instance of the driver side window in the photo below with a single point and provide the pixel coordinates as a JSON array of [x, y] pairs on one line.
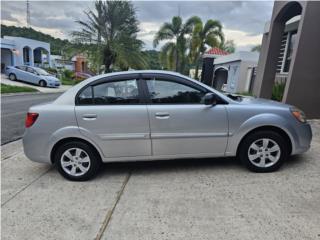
[[170, 92], [30, 70]]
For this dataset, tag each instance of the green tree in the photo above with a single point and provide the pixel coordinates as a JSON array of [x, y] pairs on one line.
[[113, 26], [228, 46], [173, 53], [256, 48], [203, 35]]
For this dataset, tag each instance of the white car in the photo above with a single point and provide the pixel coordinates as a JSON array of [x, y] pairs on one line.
[[32, 75]]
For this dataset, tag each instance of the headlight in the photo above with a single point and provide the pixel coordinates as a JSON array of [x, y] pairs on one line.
[[298, 114]]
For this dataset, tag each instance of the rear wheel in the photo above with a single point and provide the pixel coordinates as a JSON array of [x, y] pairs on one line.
[[263, 151], [12, 77], [77, 161], [42, 83]]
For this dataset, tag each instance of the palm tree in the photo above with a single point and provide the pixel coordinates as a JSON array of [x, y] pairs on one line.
[[113, 27], [174, 51], [209, 34], [228, 46]]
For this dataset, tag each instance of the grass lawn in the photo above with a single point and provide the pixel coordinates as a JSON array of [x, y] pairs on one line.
[[66, 81], [15, 89]]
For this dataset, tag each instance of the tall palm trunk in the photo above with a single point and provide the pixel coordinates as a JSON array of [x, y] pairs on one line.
[[177, 56], [197, 68], [108, 59]]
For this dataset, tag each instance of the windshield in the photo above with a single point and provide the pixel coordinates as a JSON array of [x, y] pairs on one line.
[[41, 71]]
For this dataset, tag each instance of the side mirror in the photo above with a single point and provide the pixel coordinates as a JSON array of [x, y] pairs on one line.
[[210, 99]]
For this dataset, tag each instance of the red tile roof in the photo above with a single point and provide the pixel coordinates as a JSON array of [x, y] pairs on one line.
[[217, 51]]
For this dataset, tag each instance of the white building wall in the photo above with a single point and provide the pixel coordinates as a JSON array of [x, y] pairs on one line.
[[20, 43]]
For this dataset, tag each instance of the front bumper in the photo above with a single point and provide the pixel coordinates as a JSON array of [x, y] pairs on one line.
[[302, 139], [54, 84]]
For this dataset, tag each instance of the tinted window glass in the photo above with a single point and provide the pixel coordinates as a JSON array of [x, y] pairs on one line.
[[30, 70], [162, 91], [119, 92], [86, 96], [22, 68]]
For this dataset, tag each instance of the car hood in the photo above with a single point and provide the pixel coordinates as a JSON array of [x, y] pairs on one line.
[[263, 102]]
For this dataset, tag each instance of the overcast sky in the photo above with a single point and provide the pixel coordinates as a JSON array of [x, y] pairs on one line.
[[243, 21]]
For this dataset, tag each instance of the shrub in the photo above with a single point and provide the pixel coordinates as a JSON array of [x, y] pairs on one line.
[[68, 74], [277, 91], [51, 70]]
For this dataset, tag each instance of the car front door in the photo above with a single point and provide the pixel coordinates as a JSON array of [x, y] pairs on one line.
[[31, 76], [181, 124], [112, 114]]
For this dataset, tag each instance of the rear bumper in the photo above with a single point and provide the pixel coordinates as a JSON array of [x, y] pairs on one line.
[[35, 148]]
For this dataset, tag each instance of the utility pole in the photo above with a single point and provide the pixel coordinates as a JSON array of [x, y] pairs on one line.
[[28, 14]]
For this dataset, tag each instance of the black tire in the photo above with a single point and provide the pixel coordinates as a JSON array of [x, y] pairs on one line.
[[42, 83], [93, 168], [255, 137], [12, 77]]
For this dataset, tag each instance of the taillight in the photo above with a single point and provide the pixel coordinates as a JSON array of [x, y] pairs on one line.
[[31, 119]]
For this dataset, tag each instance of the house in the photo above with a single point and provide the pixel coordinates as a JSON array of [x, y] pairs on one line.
[[80, 63], [23, 51], [290, 55], [59, 62], [207, 64], [235, 72]]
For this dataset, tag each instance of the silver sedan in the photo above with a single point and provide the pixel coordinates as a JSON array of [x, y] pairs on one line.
[[152, 115]]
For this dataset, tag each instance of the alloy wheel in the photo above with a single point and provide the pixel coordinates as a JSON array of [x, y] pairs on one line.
[[75, 161], [264, 153]]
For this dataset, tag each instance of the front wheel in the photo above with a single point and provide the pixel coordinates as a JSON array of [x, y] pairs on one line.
[[263, 151], [42, 83], [77, 161]]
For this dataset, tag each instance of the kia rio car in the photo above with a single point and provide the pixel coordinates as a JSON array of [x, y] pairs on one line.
[[153, 115], [32, 75]]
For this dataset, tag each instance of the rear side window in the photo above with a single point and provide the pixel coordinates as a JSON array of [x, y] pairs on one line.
[[23, 68], [111, 93], [169, 92], [85, 96]]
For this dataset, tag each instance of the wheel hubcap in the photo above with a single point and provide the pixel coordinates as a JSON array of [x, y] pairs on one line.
[[264, 152], [75, 162]]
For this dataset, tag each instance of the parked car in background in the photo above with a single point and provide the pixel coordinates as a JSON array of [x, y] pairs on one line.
[[32, 75], [141, 115]]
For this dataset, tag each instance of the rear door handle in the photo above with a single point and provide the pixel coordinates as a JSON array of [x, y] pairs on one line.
[[89, 116], [162, 115]]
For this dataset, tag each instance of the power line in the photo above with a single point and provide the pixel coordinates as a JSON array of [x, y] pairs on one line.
[[28, 14]]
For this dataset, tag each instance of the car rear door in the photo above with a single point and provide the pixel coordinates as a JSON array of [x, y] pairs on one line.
[[111, 113], [181, 124], [19, 71]]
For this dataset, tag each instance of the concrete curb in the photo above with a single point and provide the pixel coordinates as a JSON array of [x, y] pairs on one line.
[[27, 93]]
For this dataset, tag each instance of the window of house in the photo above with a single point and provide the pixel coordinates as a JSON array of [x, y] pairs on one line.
[[168, 92], [291, 46]]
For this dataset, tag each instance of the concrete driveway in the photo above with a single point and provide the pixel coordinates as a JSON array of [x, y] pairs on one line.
[[189, 199], [62, 88]]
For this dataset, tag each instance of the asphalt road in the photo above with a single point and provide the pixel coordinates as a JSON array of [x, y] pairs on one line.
[[14, 109]]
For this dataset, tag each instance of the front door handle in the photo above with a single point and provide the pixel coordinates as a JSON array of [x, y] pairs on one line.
[[162, 115], [89, 116]]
